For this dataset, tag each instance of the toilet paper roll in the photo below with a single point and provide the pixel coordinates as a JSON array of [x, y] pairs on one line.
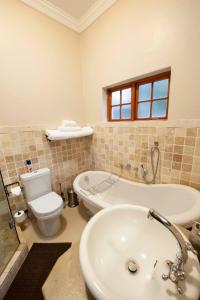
[[20, 216], [16, 191]]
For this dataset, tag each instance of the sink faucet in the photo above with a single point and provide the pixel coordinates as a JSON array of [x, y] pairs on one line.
[[176, 268]]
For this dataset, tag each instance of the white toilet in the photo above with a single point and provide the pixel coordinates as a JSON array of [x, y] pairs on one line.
[[45, 204]]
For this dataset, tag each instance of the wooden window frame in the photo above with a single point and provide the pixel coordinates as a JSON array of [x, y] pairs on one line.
[[134, 85]]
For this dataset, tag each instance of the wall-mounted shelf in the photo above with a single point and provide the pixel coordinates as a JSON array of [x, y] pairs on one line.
[[57, 135]]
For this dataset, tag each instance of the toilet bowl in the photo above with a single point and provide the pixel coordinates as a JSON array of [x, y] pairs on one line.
[[47, 210], [45, 205]]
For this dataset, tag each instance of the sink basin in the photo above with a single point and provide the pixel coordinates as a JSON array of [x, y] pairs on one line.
[[121, 237]]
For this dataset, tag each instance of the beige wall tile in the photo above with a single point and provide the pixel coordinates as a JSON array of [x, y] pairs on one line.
[[190, 141], [178, 148], [179, 140], [106, 150], [65, 159], [186, 167], [177, 157], [191, 132]]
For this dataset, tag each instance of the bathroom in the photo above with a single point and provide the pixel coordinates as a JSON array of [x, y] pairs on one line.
[[127, 73]]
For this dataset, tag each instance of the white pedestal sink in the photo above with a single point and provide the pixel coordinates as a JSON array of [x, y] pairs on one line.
[[120, 234]]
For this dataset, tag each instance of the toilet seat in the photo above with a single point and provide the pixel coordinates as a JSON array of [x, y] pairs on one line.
[[47, 205]]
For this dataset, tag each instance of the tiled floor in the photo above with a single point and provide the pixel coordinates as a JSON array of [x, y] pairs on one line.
[[65, 281]]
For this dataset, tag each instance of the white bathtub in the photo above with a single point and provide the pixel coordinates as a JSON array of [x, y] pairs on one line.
[[98, 189]]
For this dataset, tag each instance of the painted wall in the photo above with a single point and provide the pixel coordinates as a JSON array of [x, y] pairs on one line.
[[138, 37], [39, 68], [48, 72]]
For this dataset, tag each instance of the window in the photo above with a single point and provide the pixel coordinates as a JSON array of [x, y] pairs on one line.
[[145, 99]]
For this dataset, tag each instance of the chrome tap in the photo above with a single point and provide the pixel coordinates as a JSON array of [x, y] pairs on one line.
[[176, 268]]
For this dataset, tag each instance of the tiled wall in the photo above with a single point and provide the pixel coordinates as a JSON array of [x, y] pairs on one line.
[[180, 152], [111, 146], [65, 158]]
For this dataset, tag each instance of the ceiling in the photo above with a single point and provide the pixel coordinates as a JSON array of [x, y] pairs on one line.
[[76, 14]]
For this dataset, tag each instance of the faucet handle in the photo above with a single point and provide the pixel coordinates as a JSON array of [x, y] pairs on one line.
[[170, 265], [175, 274]]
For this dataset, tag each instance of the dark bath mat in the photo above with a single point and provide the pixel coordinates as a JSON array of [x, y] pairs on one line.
[[28, 283]]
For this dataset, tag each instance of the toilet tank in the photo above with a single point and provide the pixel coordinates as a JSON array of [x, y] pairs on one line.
[[36, 183]]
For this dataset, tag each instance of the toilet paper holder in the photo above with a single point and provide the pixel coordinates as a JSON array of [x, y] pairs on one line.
[[9, 185]]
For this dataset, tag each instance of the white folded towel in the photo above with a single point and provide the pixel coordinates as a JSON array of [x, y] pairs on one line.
[[70, 128], [56, 135], [67, 123]]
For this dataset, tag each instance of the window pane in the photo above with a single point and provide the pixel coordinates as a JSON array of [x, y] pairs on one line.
[[159, 109], [116, 112], [126, 111], [116, 98], [126, 96], [144, 110], [144, 91], [160, 89]]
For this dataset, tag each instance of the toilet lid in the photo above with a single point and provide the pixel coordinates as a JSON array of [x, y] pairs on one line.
[[47, 204]]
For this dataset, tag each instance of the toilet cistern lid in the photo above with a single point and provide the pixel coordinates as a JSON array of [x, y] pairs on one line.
[[46, 204], [37, 173]]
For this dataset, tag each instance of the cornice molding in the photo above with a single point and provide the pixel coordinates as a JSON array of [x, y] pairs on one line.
[[53, 12], [66, 19], [95, 11]]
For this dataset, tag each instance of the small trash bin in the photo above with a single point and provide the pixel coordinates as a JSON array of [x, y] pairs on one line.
[[72, 198]]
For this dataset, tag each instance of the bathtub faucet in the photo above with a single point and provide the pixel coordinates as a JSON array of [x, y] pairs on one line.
[[176, 268]]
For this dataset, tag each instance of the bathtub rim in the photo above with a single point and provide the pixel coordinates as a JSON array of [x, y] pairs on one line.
[[190, 216]]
